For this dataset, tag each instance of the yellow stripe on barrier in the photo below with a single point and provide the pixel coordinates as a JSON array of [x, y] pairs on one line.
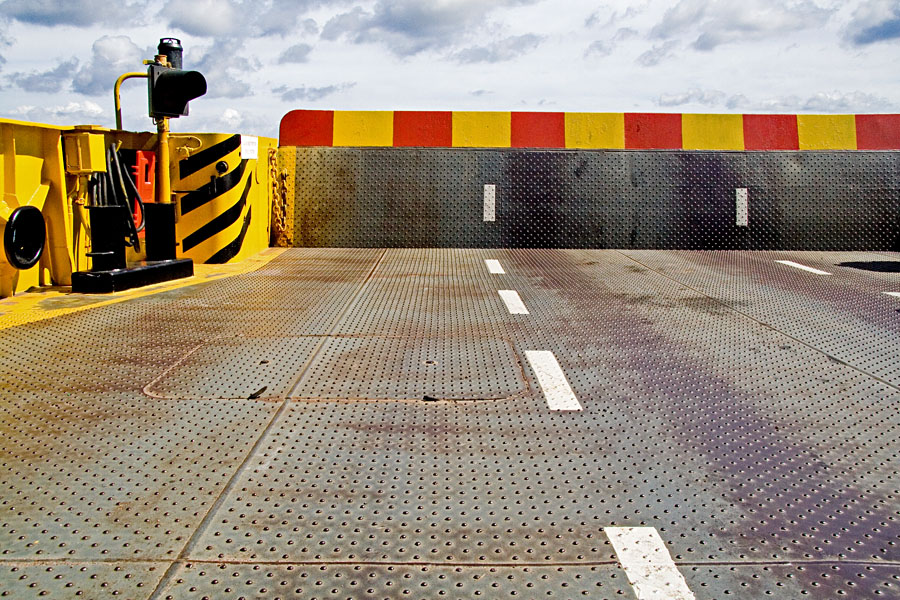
[[363, 128], [712, 132], [595, 130], [827, 132], [481, 129]]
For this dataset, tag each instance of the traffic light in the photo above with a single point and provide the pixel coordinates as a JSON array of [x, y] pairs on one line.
[[171, 90]]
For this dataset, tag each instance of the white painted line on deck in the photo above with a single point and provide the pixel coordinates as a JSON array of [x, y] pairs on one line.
[[791, 263], [513, 302], [490, 202], [894, 294], [647, 563], [552, 380], [494, 266], [742, 207]]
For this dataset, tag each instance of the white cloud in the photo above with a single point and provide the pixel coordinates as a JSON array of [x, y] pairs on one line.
[[657, 54], [718, 22], [204, 17], [848, 102], [408, 27], [874, 21], [695, 96], [606, 47], [49, 81], [298, 53], [82, 113], [685, 14], [402, 54], [232, 119], [607, 16], [229, 119], [310, 93], [110, 57], [599, 48], [51, 13], [281, 17], [241, 18], [499, 51], [821, 102], [225, 69]]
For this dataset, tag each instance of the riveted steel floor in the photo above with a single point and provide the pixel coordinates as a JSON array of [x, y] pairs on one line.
[[364, 423]]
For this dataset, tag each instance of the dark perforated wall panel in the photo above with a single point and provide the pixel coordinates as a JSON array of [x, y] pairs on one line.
[[416, 197]]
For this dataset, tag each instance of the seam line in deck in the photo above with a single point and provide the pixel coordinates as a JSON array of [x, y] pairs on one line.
[[285, 402], [486, 565]]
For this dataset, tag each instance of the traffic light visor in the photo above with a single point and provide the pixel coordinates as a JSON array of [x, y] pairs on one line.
[[172, 89]]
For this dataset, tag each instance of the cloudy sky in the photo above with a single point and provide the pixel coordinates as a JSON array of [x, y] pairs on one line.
[[60, 58]]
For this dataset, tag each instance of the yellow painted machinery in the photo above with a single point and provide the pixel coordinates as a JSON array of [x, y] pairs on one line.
[[35, 214], [209, 200], [221, 187]]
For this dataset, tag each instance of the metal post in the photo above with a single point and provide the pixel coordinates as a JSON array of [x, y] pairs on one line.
[[163, 184], [160, 215]]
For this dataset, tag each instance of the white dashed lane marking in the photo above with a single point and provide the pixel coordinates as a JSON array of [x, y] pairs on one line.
[[513, 302], [742, 207], [490, 202], [647, 563], [552, 380], [494, 266], [791, 263]]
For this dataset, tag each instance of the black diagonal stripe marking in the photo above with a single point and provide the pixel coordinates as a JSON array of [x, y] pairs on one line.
[[231, 250], [194, 163], [204, 194], [219, 223]]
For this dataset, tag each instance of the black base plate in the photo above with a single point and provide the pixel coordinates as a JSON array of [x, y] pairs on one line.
[[136, 275]]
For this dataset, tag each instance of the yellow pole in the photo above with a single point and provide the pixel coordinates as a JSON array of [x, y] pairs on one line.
[[163, 184], [118, 98]]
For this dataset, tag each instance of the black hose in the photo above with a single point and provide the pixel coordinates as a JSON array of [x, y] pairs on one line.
[[136, 196], [98, 188], [114, 188], [114, 170]]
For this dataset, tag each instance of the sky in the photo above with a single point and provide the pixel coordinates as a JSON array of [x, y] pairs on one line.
[[59, 59]]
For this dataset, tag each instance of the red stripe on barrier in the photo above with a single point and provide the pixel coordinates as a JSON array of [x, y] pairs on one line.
[[307, 128], [423, 128], [771, 132], [538, 130], [653, 131], [878, 132]]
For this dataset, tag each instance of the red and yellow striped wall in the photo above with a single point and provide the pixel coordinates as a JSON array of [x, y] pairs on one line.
[[463, 129]]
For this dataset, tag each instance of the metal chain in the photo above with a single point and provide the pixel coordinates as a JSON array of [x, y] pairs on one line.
[[279, 200]]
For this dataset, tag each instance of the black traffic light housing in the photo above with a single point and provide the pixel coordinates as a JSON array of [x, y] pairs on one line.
[[171, 90], [169, 87]]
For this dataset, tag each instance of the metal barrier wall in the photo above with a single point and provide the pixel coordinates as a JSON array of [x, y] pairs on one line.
[[424, 197]]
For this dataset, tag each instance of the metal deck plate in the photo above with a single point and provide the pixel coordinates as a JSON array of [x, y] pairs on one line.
[[111, 476], [56, 580], [236, 367], [720, 407], [473, 369]]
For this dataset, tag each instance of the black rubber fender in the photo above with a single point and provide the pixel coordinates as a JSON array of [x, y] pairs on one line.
[[24, 236]]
